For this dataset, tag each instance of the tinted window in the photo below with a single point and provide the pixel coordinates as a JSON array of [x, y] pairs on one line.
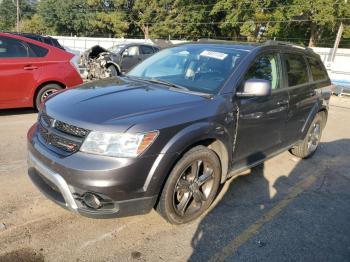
[[296, 69], [56, 43], [47, 40], [317, 70], [265, 67], [38, 51], [10, 48], [147, 50]]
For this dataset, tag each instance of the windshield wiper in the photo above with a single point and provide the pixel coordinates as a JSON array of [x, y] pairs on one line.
[[163, 82]]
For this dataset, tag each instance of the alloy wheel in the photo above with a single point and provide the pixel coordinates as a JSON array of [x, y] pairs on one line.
[[193, 188], [314, 137], [47, 93]]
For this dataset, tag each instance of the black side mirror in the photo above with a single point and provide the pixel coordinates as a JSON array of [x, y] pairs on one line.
[[255, 87]]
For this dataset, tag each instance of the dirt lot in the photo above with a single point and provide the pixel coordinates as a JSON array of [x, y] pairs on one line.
[[284, 210]]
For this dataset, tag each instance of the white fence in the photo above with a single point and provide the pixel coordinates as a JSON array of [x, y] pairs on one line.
[[339, 70]]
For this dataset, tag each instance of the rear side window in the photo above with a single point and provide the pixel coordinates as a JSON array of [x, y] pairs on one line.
[[296, 69], [265, 67], [12, 48], [317, 70], [38, 51], [146, 50], [56, 43]]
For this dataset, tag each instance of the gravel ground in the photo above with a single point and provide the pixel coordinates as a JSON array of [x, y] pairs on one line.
[[284, 210]]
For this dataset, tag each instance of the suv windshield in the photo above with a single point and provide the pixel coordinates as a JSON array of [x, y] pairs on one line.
[[199, 68], [116, 48]]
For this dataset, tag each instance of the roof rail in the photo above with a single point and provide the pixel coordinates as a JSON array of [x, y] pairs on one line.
[[274, 42]]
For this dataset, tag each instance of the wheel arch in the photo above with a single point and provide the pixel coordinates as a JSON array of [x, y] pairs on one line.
[[114, 64], [219, 149], [182, 142]]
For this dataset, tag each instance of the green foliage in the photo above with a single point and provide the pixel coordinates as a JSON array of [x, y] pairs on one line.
[[8, 13], [36, 25], [304, 22]]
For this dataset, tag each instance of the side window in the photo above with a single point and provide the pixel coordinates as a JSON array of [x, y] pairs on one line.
[[147, 50], [296, 69], [12, 48], [317, 70], [38, 51], [265, 67], [132, 50]]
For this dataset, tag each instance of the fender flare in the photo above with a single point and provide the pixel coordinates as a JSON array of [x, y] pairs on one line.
[[115, 64], [181, 142], [316, 108]]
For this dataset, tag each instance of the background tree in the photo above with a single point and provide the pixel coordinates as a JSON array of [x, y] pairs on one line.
[[107, 18], [36, 25], [8, 13], [315, 16]]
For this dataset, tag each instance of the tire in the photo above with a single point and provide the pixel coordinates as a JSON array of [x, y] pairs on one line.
[[44, 92], [312, 139], [191, 186], [113, 70]]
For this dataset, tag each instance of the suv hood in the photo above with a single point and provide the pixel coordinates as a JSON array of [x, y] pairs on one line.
[[114, 104]]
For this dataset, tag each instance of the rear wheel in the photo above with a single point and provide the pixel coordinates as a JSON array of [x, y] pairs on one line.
[[312, 139], [44, 93], [191, 187]]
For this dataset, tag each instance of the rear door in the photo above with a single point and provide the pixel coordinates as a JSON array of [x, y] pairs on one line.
[[16, 73], [301, 92], [262, 120]]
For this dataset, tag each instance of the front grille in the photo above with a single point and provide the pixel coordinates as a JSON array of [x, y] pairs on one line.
[[70, 129], [60, 136]]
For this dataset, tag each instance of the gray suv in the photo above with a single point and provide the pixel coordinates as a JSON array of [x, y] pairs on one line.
[[178, 125]]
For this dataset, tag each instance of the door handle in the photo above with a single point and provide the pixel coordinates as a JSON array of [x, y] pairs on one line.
[[30, 67], [283, 103]]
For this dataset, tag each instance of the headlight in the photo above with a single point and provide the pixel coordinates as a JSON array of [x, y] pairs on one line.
[[117, 144]]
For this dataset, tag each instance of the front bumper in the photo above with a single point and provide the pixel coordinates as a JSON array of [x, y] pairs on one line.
[[55, 187]]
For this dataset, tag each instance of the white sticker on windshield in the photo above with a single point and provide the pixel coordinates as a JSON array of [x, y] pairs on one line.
[[212, 54]]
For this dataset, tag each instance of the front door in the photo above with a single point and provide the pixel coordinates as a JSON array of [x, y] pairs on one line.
[[130, 58], [261, 120]]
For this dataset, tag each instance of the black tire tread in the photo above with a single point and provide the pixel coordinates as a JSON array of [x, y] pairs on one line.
[[162, 203]]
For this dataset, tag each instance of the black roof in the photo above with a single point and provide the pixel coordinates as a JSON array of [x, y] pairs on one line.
[[45, 39]]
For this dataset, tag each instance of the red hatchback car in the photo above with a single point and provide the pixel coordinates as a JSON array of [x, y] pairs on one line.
[[31, 70]]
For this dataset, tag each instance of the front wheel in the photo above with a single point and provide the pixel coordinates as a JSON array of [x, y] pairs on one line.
[[113, 71], [191, 187], [312, 139]]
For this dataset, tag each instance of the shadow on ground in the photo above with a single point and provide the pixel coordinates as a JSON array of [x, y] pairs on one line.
[[314, 229], [17, 111], [22, 255]]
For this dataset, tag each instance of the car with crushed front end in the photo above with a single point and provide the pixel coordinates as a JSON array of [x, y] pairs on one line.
[[100, 63], [178, 125]]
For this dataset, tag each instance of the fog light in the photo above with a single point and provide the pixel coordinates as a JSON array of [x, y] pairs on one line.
[[92, 200]]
